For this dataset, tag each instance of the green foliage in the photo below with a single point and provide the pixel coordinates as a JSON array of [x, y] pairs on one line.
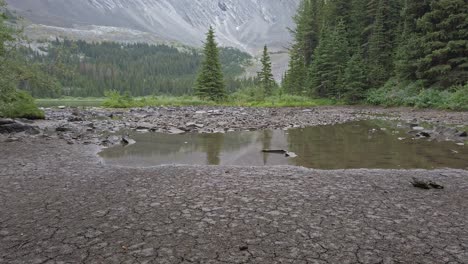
[[90, 69], [13, 72], [306, 37], [116, 100], [20, 105], [414, 50], [355, 79], [458, 99], [247, 97], [414, 95], [70, 102], [445, 43], [327, 71], [265, 77], [210, 81]]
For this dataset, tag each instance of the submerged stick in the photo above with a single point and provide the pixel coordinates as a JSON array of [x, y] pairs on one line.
[[278, 151]]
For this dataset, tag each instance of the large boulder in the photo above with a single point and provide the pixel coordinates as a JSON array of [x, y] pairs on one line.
[[9, 126]]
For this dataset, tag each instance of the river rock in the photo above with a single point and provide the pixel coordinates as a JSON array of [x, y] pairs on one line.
[[75, 119], [17, 127], [126, 141], [12, 139], [175, 131], [6, 121], [423, 134], [144, 125], [463, 134], [63, 128]]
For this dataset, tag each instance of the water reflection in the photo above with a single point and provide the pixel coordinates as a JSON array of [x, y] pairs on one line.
[[353, 145]]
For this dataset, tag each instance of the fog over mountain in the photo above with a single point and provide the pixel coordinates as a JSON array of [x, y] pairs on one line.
[[246, 24]]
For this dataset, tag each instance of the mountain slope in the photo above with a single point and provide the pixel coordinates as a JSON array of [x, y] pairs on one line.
[[246, 24]]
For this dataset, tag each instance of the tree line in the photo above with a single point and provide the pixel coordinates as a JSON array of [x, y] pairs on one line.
[[89, 69], [344, 48]]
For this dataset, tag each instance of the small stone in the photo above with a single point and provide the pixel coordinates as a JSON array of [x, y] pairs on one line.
[[175, 131], [423, 134], [290, 154], [243, 248], [127, 141], [420, 184], [418, 128], [463, 134], [63, 129]]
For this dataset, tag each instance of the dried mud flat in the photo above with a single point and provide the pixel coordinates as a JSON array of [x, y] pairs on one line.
[[60, 204]]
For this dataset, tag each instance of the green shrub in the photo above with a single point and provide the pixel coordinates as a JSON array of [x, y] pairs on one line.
[[115, 100], [414, 95], [20, 105], [430, 98], [458, 100]]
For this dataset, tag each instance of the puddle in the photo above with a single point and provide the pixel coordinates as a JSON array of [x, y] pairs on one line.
[[365, 144]]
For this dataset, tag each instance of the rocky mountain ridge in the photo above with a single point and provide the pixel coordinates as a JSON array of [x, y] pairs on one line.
[[245, 24]]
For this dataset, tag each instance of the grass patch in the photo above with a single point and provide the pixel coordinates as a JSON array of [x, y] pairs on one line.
[[70, 102], [116, 100]]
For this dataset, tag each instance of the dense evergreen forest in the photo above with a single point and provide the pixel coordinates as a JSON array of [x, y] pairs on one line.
[[380, 50], [89, 69]]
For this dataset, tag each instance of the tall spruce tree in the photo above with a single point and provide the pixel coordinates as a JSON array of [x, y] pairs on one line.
[[409, 49], [265, 76], [8, 80], [381, 45], [327, 70], [355, 79], [444, 40], [210, 83], [306, 38]]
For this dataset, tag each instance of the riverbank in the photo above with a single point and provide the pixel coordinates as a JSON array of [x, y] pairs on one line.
[[95, 125]]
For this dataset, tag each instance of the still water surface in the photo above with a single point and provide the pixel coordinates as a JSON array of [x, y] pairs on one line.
[[366, 144]]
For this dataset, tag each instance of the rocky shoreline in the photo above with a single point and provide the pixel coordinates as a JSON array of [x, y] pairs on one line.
[[107, 127]]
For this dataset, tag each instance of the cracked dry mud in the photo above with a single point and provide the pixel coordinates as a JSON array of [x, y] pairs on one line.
[[59, 204]]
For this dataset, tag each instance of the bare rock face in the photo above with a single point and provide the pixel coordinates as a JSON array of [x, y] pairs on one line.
[[245, 24]]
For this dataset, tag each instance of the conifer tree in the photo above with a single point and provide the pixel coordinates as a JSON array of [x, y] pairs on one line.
[[265, 76], [409, 49], [331, 56], [210, 84], [305, 41], [355, 79], [444, 41]]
